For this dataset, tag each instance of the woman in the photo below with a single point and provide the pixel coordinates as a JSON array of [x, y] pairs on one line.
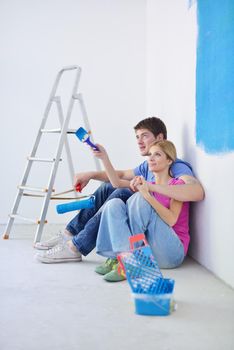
[[163, 220]]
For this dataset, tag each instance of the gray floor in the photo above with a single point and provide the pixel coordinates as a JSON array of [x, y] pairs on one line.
[[68, 306]]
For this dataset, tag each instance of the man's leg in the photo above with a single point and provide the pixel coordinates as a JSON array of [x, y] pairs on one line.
[[78, 222], [85, 240]]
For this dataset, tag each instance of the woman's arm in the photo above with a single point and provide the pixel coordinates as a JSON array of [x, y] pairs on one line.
[[112, 174], [170, 216]]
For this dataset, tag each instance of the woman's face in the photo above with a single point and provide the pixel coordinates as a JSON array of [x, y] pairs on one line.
[[157, 159]]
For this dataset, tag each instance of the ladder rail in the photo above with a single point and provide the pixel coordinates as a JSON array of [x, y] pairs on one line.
[[87, 125], [58, 155], [66, 143]]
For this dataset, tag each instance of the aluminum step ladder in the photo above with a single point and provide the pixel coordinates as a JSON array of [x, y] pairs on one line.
[[23, 189]]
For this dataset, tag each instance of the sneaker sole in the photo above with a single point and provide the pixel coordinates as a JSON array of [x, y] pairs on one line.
[[102, 273], [114, 281], [54, 261], [41, 247]]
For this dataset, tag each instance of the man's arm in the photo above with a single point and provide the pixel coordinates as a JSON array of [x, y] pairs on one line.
[[191, 191], [84, 178], [116, 178]]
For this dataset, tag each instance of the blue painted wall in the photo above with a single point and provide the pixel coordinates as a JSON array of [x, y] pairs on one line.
[[215, 75]]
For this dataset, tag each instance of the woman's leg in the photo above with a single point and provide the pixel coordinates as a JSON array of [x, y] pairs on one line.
[[113, 230], [165, 244]]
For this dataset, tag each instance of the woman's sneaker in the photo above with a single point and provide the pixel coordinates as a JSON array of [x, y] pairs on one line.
[[106, 267], [52, 242], [116, 275]]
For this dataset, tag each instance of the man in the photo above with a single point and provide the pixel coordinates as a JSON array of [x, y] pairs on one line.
[[79, 237]]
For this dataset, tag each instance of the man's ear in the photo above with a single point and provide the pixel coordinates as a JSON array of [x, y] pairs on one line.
[[160, 137]]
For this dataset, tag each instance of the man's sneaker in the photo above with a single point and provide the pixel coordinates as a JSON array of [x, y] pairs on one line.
[[52, 242], [106, 267], [59, 253], [116, 275]]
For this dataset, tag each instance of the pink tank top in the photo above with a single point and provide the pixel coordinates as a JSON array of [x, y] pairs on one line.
[[181, 227]]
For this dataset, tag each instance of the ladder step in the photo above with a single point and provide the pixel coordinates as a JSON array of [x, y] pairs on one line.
[[34, 189], [50, 131], [52, 160], [20, 217]]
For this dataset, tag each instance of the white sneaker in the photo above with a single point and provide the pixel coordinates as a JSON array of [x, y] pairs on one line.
[[59, 253], [52, 242]]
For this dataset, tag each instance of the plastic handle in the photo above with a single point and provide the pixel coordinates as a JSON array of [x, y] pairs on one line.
[[91, 144], [78, 188], [137, 238], [77, 205]]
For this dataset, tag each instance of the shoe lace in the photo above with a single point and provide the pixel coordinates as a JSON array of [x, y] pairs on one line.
[[58, 248], [111, 262], [60, 235]]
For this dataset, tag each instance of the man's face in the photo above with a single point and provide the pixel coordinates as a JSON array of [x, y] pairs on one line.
[[144, 140]]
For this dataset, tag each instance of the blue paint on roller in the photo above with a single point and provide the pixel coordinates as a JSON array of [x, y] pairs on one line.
[[77, 205]]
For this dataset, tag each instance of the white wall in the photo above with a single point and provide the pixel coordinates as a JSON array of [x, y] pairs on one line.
[[171, 64], [107, 39]]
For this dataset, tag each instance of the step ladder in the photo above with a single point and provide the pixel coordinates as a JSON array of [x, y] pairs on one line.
[[23, 189]]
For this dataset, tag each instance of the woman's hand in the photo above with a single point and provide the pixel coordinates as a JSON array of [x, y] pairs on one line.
[[143, 187], [135, 182]]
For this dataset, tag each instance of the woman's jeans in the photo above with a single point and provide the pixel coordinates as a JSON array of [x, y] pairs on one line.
[[120, 220], [84, 226]]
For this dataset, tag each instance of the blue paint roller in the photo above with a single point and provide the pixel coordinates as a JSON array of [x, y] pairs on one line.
[[77, 205], [84, 136]]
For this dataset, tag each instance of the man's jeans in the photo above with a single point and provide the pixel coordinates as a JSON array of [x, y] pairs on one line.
[[120, 220], [84, 226]]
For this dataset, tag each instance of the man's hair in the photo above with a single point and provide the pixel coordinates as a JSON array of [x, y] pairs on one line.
[[153, 124]]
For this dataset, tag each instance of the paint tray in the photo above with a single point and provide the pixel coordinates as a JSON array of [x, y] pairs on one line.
[[152, 293]]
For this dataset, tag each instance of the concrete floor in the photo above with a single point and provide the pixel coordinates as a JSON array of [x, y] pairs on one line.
[[68, 306]]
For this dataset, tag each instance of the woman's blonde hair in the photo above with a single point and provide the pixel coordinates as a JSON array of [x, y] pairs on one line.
[[167, 147]]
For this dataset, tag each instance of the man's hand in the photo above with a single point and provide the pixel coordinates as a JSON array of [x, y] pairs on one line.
[[101, 153], [135, 182], [81, 179]]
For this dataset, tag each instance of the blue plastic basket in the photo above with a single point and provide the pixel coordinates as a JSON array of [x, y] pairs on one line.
[[160, 304], [152, 292]]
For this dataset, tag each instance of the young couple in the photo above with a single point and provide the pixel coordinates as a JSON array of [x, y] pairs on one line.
[[152, 198]]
